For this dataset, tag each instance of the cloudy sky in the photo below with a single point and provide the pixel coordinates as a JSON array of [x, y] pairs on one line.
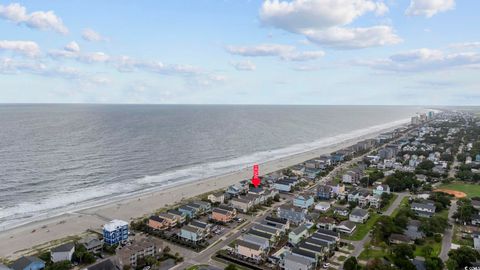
[[241, 52]]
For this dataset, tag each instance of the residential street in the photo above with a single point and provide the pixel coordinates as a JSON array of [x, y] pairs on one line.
[[447, 236]]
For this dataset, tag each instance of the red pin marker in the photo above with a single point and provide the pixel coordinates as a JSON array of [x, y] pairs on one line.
[[255, 178]]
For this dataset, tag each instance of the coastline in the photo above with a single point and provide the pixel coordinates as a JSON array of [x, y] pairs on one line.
[[19, 240]]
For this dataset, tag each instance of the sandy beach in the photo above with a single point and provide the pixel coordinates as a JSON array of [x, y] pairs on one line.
[[20, 240]]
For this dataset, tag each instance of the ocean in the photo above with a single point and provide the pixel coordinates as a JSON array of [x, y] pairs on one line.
[[60, 158]]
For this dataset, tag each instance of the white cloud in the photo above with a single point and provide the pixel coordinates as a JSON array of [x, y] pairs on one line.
[[91, 35], [261, 50], [28, 48], [43, 20], [72, 47], [353, 38], [244, 65], [301, 15], [424, 60], [95, 57], [284, 52], [16, 66], [324, 21], [465, 45], [428, 8]]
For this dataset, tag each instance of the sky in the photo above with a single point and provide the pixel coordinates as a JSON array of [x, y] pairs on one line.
[[328, 52]]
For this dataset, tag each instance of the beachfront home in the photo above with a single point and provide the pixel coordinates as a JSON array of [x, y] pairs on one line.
[[311, 173], [158, 223], [190, 233], [241, 204], [294, 214], [205, 207], [130, 255], [303, 201], [28, 263], [324, 192], [233, 191], [298, 234], [297, 262], [218, 197], [179, 216], [115, 232], [223, 215], [358, 215], [188, 211], [249, 250], [92, 244], [62, 253], [283, 186], [171, 219]]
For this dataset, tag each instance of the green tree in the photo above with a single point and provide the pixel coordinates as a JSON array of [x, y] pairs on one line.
[[351, 264], [231, 267], [434, 263], [63, 265], [461, 257]]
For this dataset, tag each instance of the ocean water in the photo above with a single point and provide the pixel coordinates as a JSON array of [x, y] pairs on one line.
[[60, 158]]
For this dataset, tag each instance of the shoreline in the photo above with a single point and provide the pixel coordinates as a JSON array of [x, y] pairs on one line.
[[19, 240]]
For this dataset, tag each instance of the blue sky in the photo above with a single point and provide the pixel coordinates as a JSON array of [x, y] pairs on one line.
[[419, 52]]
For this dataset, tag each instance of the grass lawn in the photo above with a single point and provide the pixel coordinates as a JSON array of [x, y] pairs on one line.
[[437, 248], [363, 229], [471, 190], [403, 203], [394, 197], [372, 254], [457, 237]]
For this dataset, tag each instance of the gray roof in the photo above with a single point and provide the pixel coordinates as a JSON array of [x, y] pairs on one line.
[[297, 258], [423, 205], [248, 244], [300, 229], [328, 232], [23, 262], [104, 265], [348, 224], [359, 212], [63, 248]]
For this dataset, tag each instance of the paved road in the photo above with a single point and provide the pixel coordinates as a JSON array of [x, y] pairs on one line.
[[447, 236], [359, 245]]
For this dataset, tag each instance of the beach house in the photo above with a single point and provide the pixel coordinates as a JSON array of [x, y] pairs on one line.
[[297, 262], [341, 210], [62, 253], [283, 185], [346, 226], [262, 242], [424, 209], [171, 219], [190, 233], [324, 192], [249, 250], [190, 212], [303, 201], [204, 226], [292, 213], [380, 189], [28, 263], [130, 255], [241, 204], [222, 215], [217, 197], [285, 223], [92, 244], [322, 206], [298, 234], [158, 223], [115, 232], [179, 216], [358, 215]]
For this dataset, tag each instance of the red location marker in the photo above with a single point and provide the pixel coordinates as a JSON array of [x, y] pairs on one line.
[[255, 178]]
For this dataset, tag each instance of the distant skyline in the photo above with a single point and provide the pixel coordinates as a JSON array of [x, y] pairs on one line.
[[359, 52]]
